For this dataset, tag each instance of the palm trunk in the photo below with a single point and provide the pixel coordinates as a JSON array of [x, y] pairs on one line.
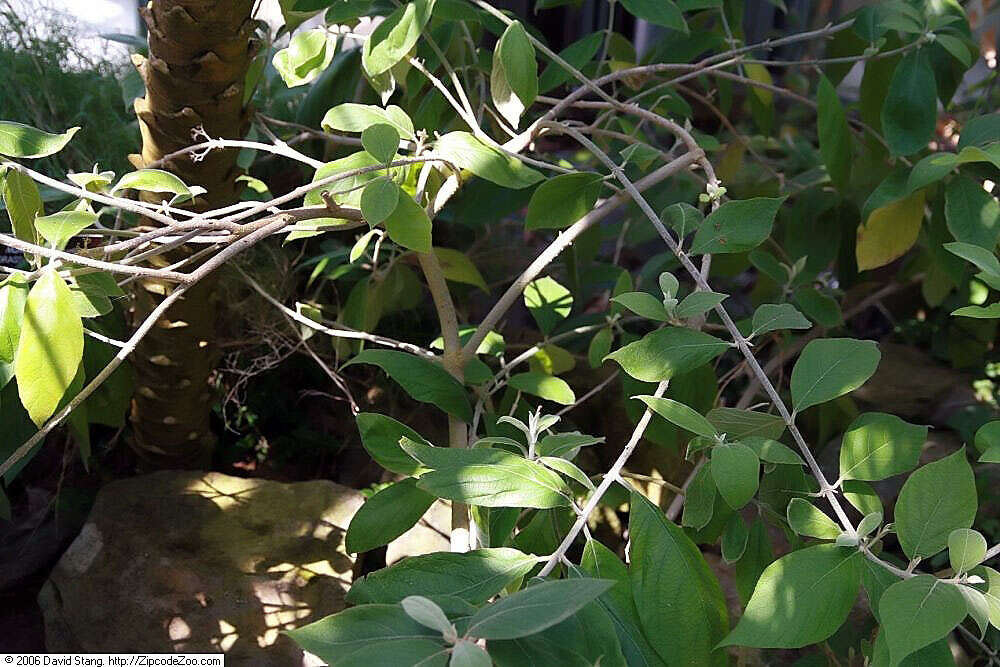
[[199, 54]]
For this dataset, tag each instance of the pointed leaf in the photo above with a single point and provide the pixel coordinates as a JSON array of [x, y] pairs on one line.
[[918, 611], [370, 634], [831, 367], [877, 445], [474, 576], [736, 226], [669, 576], [679, 414], [910, 108], [50, 347], [807, 519], [535, 608], [936, 499], [489, 162], [774, 316], [800, 599], [559, 202], [387, 515], [664, 353], [423, 380], [23, 141]]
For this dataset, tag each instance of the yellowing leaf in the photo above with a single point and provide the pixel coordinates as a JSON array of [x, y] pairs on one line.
[[760, 74], [889, 232]]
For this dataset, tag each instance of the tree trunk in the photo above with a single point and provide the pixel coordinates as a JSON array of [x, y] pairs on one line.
[[199, 54]]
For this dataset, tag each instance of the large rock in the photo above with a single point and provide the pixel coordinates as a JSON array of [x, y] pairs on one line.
[[202, 562]]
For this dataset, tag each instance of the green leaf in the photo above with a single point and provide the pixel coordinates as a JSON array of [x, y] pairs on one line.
[[670, 576], [306, 56], [698, 302], [682, 217], [739, 424], [984, 260], [643, 304], [919, 611], [351, 117], [990, 312], [423, 380], [699, 503], [966, 549], [559, 202], [680, 414], [980, 131], [660, 355], [20, 196], [544, 386], [992, 593], [756, 557], [955, 47], [387, 515], [599, 561], [987, 439], [370, 634], [800, 599], [427, 613], [734, 539], [24, 141], [514, 79], [862, 496], [548, 301], [772, 451], [736, 226], [458, 268], [156, 180], [831, 367], [60, 227], [394, 37], [50, 347], [408, 224], [599, 347], [565, 444], [469, 654], [381, 140], [658, 12], [568, 469], [775, 316], [822, 308], [936, 499], [475, 576], [807, 519], [378, 200], [535, 608], [577, 54], [467, 152], [380, 436], [878, 445], [347, 190], [13, 296], [972, 214], [92, 293], [834, 135], [910, 108], [736, 470], [488, 477]]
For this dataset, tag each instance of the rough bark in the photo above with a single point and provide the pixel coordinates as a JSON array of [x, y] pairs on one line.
[[199, 54]]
